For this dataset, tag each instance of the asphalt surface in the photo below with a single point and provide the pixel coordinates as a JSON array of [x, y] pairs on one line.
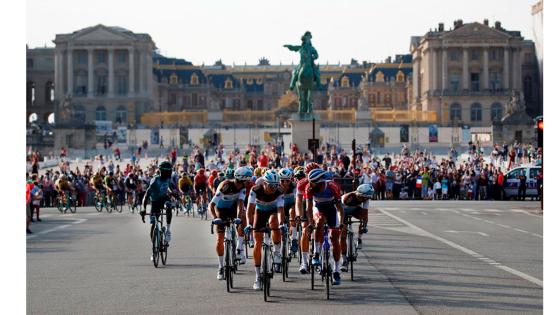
[[419, 257]]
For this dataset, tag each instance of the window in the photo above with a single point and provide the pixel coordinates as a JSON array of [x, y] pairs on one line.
[[79, 113], [29, 63], [228, 84], [101, 56], [101, 84], [454, 80], [121, 56], [453, 54], [100, 113], [387, 99], [528, 58], [33, 118], [515, 173], [260, 104], [172, 99], [194, 79], [455, 112], [493, 54], [495, 80], [475, 81], [475, 54], [496, 111], [476, 112], [80, 89], [122, 84], [49, 92], [173, 79], [236, 103], [344, 82], [337, 102], [30, 92], [533, 172], [400, 76], [121, 115], [195, 100], [379, 77], [528, 89], [249, 104], [82, 57]]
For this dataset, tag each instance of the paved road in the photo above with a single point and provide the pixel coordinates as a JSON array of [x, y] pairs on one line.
[[419, 258]]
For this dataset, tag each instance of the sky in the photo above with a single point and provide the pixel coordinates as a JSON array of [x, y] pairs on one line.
[[242, 31]]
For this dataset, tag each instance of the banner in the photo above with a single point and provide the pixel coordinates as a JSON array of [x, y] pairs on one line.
[[433, 133], [103, 127], [121, 134], [404, 133], [466, 135], [154, 136]]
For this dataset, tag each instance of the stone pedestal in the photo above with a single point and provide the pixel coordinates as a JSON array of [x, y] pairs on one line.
[[302, 130]]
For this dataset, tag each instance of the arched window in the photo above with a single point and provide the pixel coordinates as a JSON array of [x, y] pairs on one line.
[[49, 92], [121, 117], [379, 77], [50, 119], [33, 118], [173, 79], [455, 112], [194, 79], [100, 113], [344, 82], [30, 92], [476, 112], [228, 84], [79, 113], [496, 111], [400, 76], [528, 89]]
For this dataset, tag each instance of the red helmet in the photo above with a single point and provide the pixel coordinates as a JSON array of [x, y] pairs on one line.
[[311, 166], [214, 173], [201, 171]]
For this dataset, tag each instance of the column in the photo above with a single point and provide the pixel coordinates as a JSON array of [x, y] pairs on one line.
[[506, 68], [434, 76], [131, 71], [111, 73], [90, 73], [141, 77], [465, 69], [57, 73], [485, 76], [517, 69], [149, 75], [70, 88], [444, 83], [415, 81]]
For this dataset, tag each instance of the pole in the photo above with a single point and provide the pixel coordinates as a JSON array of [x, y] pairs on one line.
[[314, 148]]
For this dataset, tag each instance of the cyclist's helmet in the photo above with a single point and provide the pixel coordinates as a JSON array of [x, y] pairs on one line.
[[286, 174], [230, 173], [297, 168], [311, 166], [243, 174], [111, 174], [184, 174], [221, 175], [299, 174], [259, 171], [201, 171], [165, 169], [214, 173], [271, 177], [316, 176], [365, 190]]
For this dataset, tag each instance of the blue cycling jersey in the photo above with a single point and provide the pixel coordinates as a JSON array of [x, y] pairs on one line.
[[157, 191]]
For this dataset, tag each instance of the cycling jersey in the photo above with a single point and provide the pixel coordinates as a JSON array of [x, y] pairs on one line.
[[184, 184], [200, 180], [130, 183], [62, 185], [109, 182], [324, 203], [157, 191], [351, 204], [264, 201], [301, 187], [290, 195], [227, 195]]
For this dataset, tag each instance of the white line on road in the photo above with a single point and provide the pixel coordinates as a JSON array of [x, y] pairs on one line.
[[467, 251], [537, 235], [479, 233], [56, 228], [504, 225], [424, 213], [522, 231]]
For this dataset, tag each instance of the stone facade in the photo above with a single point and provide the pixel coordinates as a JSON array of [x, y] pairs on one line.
[[40, 84], [468, 73]]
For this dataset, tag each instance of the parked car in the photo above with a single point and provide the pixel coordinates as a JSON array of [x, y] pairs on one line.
[[511, 185]]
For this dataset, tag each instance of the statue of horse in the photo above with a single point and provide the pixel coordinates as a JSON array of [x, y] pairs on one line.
[[304, 86]]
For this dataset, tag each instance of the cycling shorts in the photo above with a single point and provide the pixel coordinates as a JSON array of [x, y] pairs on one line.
[[261, 218], [200, 188], [327, 211], [226, 214]]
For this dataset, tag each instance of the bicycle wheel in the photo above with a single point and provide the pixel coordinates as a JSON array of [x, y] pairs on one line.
[[264, 278], [284, 258], [311, 267], [155, 246], [59, 205], [327, 272], [118, 204], [73, 205], [227, 266], [163, 246], [299, 233], [97, 204], [351, 254]]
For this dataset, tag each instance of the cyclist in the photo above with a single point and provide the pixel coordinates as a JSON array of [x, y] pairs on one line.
[[63, 186], [96, 182], [201, 187], [131, 185], [268, 200], [355, 204], [221, 177], [303, 214], [110, 186], [157, 193], [227, 204], [230, 173], [185, 186], [289, 188], [299, 173], [326, 209]]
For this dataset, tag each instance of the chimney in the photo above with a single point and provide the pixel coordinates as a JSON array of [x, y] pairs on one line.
[[457, 24], [440, 27], [486, 22], [498, 25], [388, 60]]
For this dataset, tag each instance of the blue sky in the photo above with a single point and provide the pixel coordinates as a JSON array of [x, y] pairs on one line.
[[243, 31]]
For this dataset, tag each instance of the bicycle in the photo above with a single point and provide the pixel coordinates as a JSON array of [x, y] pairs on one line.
[[286, 256], [131, 200], [202, 208], [113, 203], [186, 205], [351, 245], [325, 269], [99, 201], [70, 203], [267, 269], [159, 245], [230, 250]]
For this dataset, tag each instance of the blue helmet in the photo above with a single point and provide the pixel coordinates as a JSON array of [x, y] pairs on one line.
[[316, 176], [242, 174], [271, 177], [365, 190], [230, 173], [286, 173]]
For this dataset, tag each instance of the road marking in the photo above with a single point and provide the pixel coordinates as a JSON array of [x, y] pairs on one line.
[[479, 233], [467, 251], [424, 213], [537, 235], [522, 231], [56, 228], [98, 213], [488, 221], [504, 226]]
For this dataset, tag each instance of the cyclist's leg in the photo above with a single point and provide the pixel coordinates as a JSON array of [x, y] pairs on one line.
[[343, 234], [276, 235], [259, 223], [240, 233], [334, 236], [293, 222], [363, 217], [319, 220], [220, 239]]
